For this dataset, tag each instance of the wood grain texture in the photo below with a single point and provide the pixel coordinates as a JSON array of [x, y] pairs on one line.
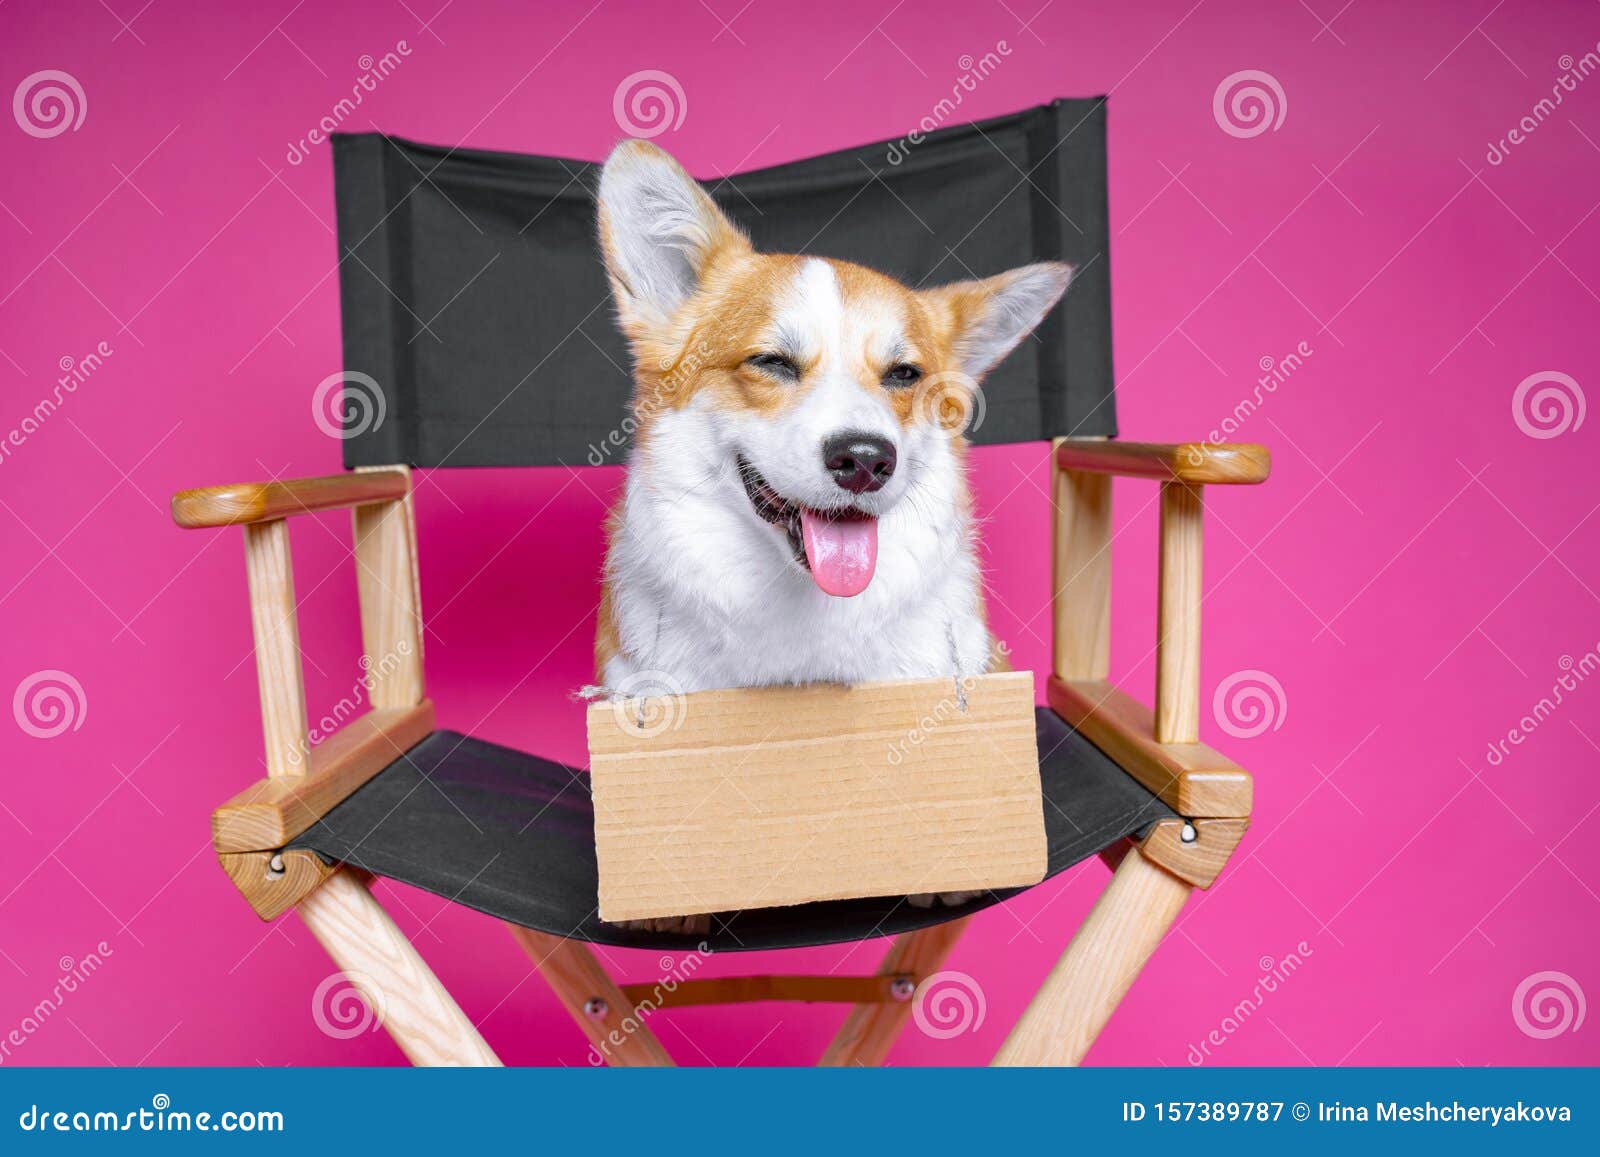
[[385, 540], [870, 1030], [1201, 860], [398, 985], [277, 646], [1178, 615], [618, 1034], [1099, 966], [272, 811], [749, 989], [1190, 778], [271, 882], [1081, 573], [249, 502], [1198, 463], [760, 797]]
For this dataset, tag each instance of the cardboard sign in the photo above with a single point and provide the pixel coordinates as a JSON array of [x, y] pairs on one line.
[[724, 800]]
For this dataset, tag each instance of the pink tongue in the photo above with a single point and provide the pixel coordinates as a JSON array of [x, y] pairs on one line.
[[843, 553]]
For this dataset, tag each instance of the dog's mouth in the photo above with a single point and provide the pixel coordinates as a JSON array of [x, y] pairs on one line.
[[838, 547]]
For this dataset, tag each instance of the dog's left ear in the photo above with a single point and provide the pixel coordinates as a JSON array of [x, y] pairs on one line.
[[989, 317], [660, 232]]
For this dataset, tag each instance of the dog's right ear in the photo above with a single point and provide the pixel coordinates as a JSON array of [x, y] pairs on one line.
[[660, 232]]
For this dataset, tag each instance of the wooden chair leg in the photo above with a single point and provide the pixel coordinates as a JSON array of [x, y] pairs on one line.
[[418, 1013], [619, 1035], [1098, 967], [870, 1029]]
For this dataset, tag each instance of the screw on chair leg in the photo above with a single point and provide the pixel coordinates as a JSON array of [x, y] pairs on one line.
[[1195, 851], [870, 1029], [618, 1034]]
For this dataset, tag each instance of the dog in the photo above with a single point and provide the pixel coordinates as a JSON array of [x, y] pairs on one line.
[[796, 507]]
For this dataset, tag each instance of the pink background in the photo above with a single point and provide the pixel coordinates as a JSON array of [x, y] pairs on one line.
[[1412, 576]]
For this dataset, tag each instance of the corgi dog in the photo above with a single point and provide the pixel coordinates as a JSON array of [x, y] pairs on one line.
[[796, 508]]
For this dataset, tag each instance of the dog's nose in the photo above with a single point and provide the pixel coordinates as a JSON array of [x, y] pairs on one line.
[[861, 463]]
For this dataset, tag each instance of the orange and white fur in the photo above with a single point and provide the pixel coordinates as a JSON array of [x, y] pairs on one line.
[[796, 509]]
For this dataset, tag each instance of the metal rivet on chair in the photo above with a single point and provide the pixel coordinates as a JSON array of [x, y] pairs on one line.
[[1189, 835], [275, 865], [595, 1008], [902, 988]]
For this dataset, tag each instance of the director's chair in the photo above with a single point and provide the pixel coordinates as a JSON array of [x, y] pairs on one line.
[[526, 370]]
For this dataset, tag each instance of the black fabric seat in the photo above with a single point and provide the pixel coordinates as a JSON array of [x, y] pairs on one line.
[[512, 835]]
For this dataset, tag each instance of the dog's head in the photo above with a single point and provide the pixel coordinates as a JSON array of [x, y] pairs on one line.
[[821, 389]]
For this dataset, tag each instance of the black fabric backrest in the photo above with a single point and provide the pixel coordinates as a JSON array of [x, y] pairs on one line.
[[473, 295]]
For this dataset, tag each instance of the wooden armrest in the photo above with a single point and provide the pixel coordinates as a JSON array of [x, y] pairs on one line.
[[1190, 778], [248, 502], [270, 812], [1197, 463]]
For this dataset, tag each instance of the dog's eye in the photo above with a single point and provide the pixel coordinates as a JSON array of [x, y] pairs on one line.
[[777, 365], [902, 374]]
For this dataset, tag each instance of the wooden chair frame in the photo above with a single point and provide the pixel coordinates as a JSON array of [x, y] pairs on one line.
[[1161, 749]]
